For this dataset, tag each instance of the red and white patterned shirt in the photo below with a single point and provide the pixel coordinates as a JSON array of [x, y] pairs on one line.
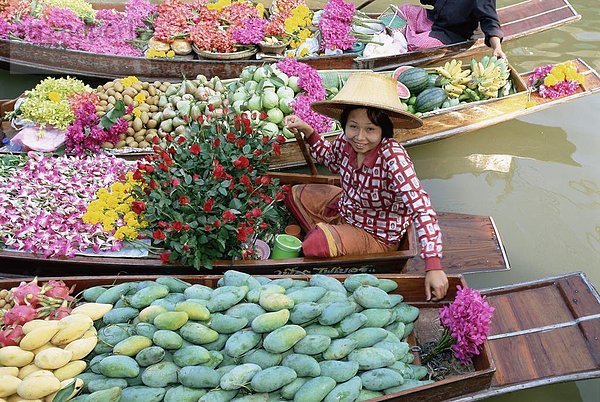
[[384, 195]]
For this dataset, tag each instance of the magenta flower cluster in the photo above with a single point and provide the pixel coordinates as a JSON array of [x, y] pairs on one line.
[[42, 204], [314, 90], [562, 88], [112, 33], [85, 134], [336, 25], [251, 31], [468, 321]]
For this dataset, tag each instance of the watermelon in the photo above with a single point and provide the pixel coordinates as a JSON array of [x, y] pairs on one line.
[[400, 70], [416, 79], [403, 92], [429, 99]]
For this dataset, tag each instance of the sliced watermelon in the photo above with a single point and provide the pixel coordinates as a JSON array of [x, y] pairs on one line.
[[400, 70], [403, 92]]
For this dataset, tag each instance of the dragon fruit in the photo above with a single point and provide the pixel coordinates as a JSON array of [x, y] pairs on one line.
[[11, 336], [27, 293], [19, 315], [57, 290]]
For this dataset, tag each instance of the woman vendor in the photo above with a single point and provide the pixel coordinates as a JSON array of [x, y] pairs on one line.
[[380, 194], [451, 21]]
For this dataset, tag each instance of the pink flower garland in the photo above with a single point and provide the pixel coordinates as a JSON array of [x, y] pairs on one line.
[[562, 88], [42, 204], [251, 32], [312, 84], [336, 25]]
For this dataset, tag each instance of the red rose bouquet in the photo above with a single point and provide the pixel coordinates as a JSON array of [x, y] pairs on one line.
[[207, 195]]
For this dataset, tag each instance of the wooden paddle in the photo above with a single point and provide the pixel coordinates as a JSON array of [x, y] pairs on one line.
[[305, 153]]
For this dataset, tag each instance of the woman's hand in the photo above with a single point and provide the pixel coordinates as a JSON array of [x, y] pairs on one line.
[[296, 124], [436, 285], [496, 46]]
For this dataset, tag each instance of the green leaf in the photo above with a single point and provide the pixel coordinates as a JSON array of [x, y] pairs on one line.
[[110, 118], [225, 183], [64, 394], [223, 191], [187, 179], [235, 203], [246, 149]]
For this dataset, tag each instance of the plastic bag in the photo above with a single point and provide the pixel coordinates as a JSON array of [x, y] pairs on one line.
[[35, 138]]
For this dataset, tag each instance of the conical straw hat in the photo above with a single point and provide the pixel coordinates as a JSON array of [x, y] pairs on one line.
[[369, 90]]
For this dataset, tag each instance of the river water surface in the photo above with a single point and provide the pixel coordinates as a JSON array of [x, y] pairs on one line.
[[538, 176]]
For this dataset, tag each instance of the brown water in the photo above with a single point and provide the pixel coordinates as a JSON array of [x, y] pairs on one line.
[[538, 176]]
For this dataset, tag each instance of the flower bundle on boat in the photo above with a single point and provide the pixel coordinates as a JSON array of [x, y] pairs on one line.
[[223, 29]]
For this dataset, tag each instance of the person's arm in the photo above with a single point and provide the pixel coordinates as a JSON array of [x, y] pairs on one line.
[[323, 151], [418, 204], [485, 12]]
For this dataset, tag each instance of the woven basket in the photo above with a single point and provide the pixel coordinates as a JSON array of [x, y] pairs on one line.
[[240, 55]]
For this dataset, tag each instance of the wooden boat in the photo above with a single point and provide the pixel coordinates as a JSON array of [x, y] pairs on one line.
[[467, 117], [518, 20], [471, 244], [439, 124], [543, 332]]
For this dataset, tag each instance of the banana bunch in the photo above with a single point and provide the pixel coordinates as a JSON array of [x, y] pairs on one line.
[[453, 79], [489, 77]]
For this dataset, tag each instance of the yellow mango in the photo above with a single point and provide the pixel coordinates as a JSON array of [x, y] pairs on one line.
[[93, 310], [38, 337], [17, 398], [40, 373], [38, 387], [26, 370], [73, 318], [70, 370], [53, 358], [14, 356], [81, 347], [90, 333], [8, 385], [70, 332], [43, 347], [65, 384], [33, 324], [14, 371]]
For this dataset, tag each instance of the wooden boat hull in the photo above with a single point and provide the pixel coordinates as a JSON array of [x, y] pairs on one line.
[[471, 244], [543, 332], [521, 19], [468, 117]]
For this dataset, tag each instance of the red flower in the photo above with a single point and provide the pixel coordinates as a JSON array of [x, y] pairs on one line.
[[195, 149], [185, 247], [186, 227], [217, 223], [168, 138], [241, 162], [208, 205], [287, 188], [208, 228], [257, 152], [219, 172], [211, 107], [263, 226], [159, 235], [277, 149], [200, 119], [280, 139], [163, 224], [195, 176], [240, 142], [137, 175], [256, 212], [249, 130], [265, 139], [183, 200], [155, 140], [245, 180], [180, 139], [279, 196], [163, 166], [216, 143], [228, 216], [175, 182], [138, 207], [149, 169], [177, 226], [236, 123], [265, 180], [230, 137], [164, 257], [263, 115]]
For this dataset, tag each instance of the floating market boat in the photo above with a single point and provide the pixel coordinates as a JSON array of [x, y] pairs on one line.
[[543, 332], [471, 244], [517, 20], [438, 124], [467, 117]]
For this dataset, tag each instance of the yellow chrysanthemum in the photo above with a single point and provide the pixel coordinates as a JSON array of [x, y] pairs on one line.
[[170, 54], [551, 80], [139, 98], [54, 96], [219, 5], [117, 187], [261, 9], [303, 52], [137, 112]]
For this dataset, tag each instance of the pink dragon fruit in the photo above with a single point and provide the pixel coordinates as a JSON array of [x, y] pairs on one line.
[[11, 336], [57, 290], [19, 315], [27, 293], [59, 313]]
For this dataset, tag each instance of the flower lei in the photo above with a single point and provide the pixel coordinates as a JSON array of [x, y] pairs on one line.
[[467, 322], [312, 84], [336, 25], [554, 81]]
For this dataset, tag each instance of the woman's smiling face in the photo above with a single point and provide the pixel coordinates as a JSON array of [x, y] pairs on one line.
[[361, 132]]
